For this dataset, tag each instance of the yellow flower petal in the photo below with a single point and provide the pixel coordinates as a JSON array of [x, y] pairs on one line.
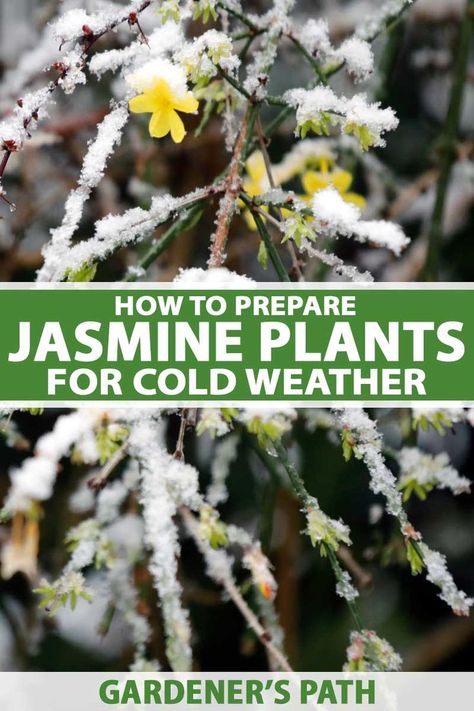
[[161, 90], [255, 166], [355, 199], [324, 164], [159, 124], [188, 105], [142, 104], [313, 181], [252, 188], [341, 179], [251, 224], [177, 127]]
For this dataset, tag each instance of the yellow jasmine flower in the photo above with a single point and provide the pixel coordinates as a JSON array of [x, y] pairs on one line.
[[163, 105], [256, 183], [314, 180]]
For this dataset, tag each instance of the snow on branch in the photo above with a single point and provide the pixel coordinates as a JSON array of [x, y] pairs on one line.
[[109, 134]]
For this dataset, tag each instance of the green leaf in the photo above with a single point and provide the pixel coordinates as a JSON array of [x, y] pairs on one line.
[[414, 558], [86, 272], [262, 255], [347, 444]]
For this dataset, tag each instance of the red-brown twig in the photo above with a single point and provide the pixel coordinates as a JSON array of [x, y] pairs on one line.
[[89, 41], [227, 204]]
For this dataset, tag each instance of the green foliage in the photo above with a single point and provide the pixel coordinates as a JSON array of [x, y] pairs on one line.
[[68, 588], [85, 273], [348, 443], [297, 228], [262, 255], [362, 133], [211, 528], [413, 486], [414, 557], [109, 439]]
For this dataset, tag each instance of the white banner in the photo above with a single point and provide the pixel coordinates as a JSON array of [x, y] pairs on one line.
[[41, 691]]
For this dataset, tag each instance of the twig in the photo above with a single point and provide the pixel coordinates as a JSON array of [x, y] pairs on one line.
[[87, 46], [98, 481], [361, 576], [268, 168], [232, 189], [233, 82], [264, 234], [307, 501], [312, 61], [185, 221], [448, 142], [240, 16], [233, 592]]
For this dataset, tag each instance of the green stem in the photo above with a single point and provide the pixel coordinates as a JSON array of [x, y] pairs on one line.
[[306, 500], [233, 82], [240, 16], [276, 101], [338, 574], [296, 480], [448, 142], [264, 234], [186, 220], [388, 59], [312, 61]]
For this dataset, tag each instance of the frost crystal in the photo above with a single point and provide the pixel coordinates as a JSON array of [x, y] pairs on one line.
[[332, 214], [108, 136], [439, 575], [221, 277], [34, 480], [225, 453], [166, 483], [368, 122], [314, 36], [312, 105], [345, 587], [368, 652], [430, 471], [358, 56]]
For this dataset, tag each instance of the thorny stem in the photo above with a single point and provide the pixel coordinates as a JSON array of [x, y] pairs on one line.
[[447, 146], [233, 592]]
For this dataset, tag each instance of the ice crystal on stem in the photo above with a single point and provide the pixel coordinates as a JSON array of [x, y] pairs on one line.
[[370, 653], [108, 136], [421, 472], [166, 483], [438, 574], [360, 434]]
